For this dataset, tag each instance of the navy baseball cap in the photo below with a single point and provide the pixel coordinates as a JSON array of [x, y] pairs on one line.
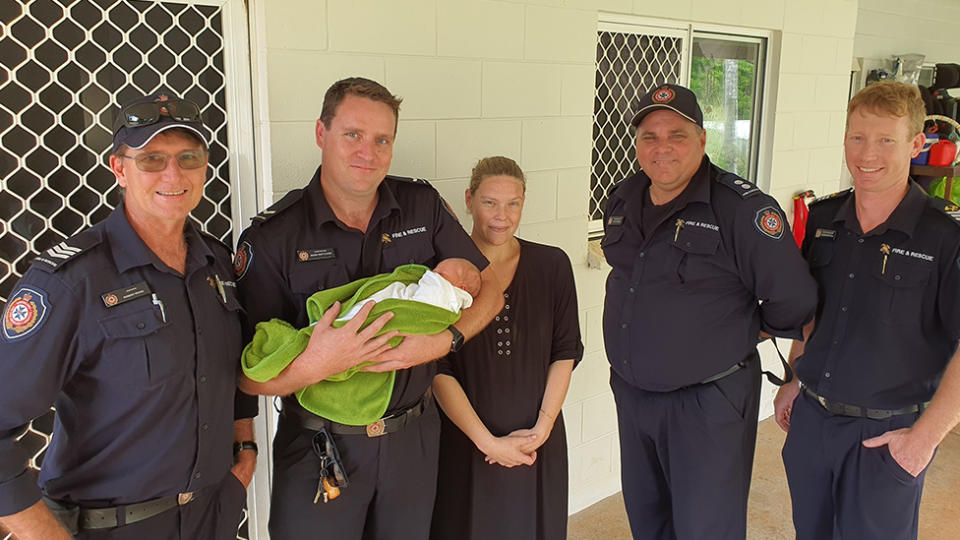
[[142, 119], [672, 98]]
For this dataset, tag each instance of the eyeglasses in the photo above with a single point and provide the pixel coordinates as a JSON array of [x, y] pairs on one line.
[[145, 114], [156, 161]]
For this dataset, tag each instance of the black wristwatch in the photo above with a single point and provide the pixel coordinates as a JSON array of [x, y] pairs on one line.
[[457, 342], [240, 446]]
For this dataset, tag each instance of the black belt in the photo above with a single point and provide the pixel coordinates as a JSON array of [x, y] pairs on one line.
[[842, 409], [729, 371], [387, 424], [117, 516]]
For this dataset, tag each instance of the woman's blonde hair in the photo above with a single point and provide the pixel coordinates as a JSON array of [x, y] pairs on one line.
[[496, 166], [892, 99]]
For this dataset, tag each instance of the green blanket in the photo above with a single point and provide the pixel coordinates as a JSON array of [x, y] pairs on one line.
[[353, 397]]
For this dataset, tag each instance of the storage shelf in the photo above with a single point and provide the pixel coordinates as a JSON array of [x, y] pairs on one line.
[[926, 170]]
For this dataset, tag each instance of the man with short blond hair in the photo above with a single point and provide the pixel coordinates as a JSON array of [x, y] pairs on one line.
[[878, 385]]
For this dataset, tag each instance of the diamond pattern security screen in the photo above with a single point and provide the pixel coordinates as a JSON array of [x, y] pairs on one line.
[[628, 65], [65, 66]]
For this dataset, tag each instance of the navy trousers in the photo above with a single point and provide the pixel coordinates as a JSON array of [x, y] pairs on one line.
[[687, 456], [841, 489], [392, 484], [214, 516]]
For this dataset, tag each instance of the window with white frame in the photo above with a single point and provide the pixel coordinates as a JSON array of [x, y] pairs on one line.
[[725, 69]]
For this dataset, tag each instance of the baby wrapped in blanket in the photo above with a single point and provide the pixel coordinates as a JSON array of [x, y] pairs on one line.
[[422, 301]]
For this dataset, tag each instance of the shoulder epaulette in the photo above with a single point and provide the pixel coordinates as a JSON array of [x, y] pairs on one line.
[[948, 208], [836, 195], [742, 187], [279, 206], [59, 255], [418, 181], [217, 241]]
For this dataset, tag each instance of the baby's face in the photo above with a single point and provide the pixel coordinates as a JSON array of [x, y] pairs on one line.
[[460, 273]]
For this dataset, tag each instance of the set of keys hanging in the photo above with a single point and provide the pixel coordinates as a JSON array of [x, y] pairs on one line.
[[333, 477]]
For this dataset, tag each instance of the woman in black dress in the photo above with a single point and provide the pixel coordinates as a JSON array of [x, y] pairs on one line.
[[503, 448]]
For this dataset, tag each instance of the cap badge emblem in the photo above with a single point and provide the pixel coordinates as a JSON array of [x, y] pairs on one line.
[[663, 95]]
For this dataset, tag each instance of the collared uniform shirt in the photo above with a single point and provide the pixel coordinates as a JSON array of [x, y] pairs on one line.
[[888, 319], [301, 248], [681, 301], [144, 395]]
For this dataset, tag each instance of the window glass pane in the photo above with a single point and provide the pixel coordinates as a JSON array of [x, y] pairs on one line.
[[724, 75]]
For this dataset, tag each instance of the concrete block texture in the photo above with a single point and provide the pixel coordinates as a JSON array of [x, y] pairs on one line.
[[677, 9], [590, 379], [577, 90], [819, 54], [613, 6], [452, 191], [408, 27], [551, 143], [562, 35], [295, 154], [601, 415], [572, 189], [493, 29], [540, 203], [762, 13], [294, 24], [414, 150], [461, 143], [804, 17], [435, 87], [812, 130], [521, 89], [299, 79]]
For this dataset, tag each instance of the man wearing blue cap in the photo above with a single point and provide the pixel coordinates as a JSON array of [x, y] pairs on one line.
[[702, 264], [131, 329]]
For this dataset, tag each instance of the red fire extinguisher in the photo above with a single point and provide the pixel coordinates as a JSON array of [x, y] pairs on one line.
[[800, 213]]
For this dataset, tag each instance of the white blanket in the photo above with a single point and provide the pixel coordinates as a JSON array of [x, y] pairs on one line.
[[432, 289]]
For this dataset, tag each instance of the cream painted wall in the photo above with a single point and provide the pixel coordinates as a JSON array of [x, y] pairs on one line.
[[888, 27], [483, 77]]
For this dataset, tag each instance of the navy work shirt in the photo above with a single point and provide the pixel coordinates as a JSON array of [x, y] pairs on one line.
[[144, 405], [682, 299], [888, 319], [299, 247]]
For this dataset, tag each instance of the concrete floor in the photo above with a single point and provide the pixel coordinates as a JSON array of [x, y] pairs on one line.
[[769, 514]]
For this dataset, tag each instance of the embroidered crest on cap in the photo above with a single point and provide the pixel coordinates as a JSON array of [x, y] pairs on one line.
[[25, 313], [663, 95], [242, 260], [769, 222]]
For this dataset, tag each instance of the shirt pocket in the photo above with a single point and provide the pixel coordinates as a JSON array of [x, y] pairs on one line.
[[307, 278], [901, 294], [133, 352], [417, 249], [697, 250]]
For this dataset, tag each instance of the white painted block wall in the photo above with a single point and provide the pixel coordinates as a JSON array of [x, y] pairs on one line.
[[516, 78]]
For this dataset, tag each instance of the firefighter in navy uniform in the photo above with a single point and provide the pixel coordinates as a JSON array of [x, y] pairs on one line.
[[353, 221], [131, 328], [861, 426], [702, 263]]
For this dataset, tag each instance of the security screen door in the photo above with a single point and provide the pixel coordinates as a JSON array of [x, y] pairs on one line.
[[65, 66]]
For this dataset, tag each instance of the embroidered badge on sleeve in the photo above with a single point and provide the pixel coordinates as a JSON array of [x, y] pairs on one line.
[[26, 312], [769, 221], [242, 260]]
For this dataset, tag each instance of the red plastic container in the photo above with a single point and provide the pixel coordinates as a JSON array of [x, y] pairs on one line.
[[942, 154]]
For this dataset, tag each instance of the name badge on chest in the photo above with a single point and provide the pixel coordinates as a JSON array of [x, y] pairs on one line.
[[125, 294], [322, 254]]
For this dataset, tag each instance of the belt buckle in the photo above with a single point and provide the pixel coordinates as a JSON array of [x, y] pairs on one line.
[[376, 429], [184, 498]]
